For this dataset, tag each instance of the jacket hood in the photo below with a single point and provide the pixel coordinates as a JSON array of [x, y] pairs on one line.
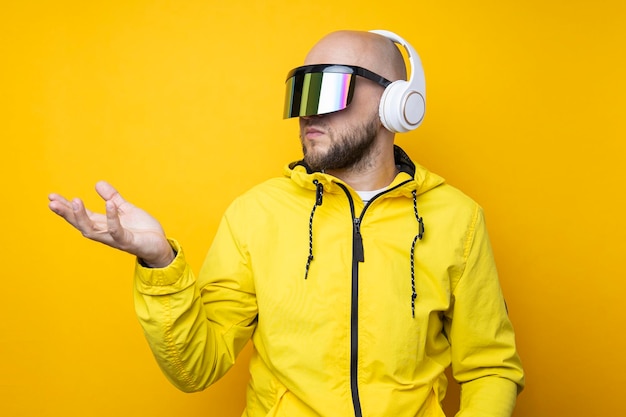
[[417, 178]]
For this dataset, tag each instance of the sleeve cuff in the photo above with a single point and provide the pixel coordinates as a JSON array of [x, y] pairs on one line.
[[173, 278], [488, 396]]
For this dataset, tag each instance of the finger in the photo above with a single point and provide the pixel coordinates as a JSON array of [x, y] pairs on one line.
[[91, 225], [59, 201], [60, 206], [114, 225], [55, 197], [108, 192], [82, 221]]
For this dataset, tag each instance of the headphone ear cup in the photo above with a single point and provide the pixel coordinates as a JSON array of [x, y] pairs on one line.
[[401, 108]]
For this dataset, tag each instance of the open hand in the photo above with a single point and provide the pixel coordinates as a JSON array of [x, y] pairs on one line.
[[123, 226]]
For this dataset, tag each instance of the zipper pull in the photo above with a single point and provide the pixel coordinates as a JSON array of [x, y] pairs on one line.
[[420, 235], [358, 252]]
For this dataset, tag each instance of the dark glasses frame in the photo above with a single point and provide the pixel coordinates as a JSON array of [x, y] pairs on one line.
[[341, 69]]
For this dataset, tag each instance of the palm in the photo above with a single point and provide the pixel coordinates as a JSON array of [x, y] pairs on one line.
[[123, 226]]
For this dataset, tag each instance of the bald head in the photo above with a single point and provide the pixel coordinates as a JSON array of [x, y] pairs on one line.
[[364, 49]]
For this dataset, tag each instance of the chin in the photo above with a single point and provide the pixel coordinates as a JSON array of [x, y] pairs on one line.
[[313, 157], [314, 148]]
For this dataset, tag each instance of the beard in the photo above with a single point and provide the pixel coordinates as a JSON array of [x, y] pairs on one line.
[[350, 149]]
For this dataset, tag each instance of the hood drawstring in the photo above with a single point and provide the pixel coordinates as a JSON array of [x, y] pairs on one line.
[[419, 236], [319, 191]]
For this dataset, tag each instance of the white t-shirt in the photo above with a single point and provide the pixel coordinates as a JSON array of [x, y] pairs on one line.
[[366, 196]]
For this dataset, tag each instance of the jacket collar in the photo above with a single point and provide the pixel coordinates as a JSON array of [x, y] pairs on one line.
[[411, 176]]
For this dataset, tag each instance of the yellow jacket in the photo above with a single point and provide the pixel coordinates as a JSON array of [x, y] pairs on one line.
[[352, 310]]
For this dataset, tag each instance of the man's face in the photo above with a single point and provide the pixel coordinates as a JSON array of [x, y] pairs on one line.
[[345, 139]]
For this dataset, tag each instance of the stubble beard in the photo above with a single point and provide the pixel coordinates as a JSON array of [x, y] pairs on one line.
[[349, 150]]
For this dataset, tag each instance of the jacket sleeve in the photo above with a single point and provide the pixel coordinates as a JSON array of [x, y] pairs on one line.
[[484, 356], [197, 328]]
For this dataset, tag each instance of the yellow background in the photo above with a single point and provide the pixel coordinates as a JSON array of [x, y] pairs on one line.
[[178, 104]]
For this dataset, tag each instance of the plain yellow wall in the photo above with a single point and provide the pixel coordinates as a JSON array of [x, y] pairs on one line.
[[178, 104]]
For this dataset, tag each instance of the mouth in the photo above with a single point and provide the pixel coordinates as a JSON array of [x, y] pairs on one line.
[[312, 132]]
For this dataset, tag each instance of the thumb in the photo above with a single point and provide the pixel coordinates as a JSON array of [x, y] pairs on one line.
[[108, 192]]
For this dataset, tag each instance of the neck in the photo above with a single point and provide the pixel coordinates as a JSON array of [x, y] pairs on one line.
[[374, 173]]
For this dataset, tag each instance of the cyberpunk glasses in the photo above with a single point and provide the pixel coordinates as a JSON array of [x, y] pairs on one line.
[[324, 88]]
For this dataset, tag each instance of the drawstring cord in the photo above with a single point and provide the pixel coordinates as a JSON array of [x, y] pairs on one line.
[[419, 236], [319, 191]]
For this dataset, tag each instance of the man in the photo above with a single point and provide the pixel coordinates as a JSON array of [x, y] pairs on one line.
[[353, 307]]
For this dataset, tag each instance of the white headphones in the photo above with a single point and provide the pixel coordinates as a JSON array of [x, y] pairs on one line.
[[403, 103]]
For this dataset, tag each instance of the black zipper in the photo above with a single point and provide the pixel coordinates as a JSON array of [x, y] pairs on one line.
[[358, 255]]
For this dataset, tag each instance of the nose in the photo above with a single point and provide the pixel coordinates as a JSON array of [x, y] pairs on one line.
[[312, 117]]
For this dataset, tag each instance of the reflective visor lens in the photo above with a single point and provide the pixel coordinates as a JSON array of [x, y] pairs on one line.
[[311, 93]]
